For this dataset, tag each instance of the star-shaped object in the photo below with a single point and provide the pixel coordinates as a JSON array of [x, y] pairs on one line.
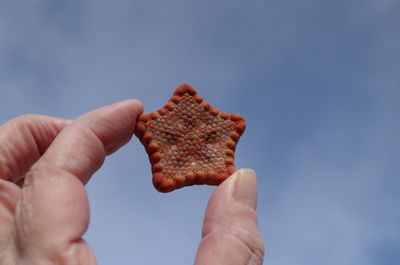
[[189, 142]]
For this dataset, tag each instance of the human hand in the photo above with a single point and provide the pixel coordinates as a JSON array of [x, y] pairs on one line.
[[44, 211], [43, 220]]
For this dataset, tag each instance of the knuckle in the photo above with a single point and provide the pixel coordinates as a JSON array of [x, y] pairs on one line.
[[25, 121], [252, 240], [27, 118]]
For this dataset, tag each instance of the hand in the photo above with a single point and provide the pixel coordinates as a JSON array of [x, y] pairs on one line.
[[44, 211]]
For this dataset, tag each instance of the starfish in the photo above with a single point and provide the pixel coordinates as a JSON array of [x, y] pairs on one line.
[[189, 142]]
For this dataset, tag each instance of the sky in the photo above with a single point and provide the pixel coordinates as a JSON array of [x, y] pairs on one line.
[[317, 81]]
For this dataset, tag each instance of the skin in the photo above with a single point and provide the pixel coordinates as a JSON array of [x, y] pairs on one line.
[[44, 212]]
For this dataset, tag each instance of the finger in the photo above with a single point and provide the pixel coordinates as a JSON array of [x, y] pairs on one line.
[[53, 211], [23, 140], [9, 194], [80, 149], [230, 230]]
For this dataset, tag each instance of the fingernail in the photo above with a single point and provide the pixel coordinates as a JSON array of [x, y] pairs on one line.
[[245, 187]]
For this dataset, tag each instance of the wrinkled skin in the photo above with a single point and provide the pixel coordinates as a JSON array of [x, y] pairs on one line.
[[45, 163]]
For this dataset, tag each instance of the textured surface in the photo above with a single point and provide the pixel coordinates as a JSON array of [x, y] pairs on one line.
[[189, 142]]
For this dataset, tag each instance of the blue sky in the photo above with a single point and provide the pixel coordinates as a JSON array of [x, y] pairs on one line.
[[317, 81]]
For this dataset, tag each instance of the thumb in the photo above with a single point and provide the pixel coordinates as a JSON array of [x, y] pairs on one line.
[[230, 230]]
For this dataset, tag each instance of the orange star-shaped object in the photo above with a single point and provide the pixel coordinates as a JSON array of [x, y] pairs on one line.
[[189, 142]]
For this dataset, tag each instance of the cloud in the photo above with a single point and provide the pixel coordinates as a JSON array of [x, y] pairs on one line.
[[316, 81]]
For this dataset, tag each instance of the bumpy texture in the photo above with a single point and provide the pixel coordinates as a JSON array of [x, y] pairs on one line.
[[189, 142]]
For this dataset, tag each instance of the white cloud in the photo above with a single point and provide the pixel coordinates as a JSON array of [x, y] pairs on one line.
[[317, 82]]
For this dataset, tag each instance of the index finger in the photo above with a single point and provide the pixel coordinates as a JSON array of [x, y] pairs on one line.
[[23, 140], [80, 148]]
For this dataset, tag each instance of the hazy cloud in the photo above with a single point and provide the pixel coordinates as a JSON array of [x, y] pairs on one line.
[[317, 82]]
